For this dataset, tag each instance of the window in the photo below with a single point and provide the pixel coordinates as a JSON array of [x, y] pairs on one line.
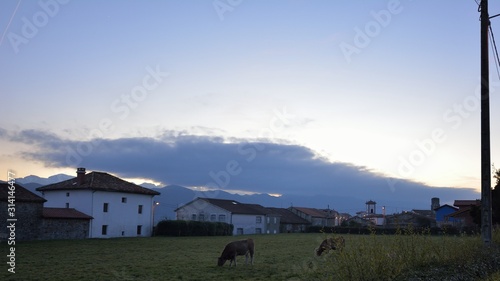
[[139, 210], [274, 219], [258, 231], [268, 218], [201, 217], [213, 217], [105, 207], [67, 205], [124, 199], [222, 218], [193, 217], [239, 231], [258, 219], [104, 230], [67, 194], [139, 229]]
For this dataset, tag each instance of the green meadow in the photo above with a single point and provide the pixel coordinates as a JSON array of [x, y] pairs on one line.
[[407, 256]]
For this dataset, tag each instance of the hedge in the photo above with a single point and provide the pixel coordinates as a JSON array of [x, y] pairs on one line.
[[193, 228]]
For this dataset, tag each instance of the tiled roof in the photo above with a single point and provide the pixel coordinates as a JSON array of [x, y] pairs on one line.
[[312, 212], [21, 194], [445, 205], [236, 207], [264, 210], [99, 181], [288, 217], [64, 213], [461, 212], [464, 203]]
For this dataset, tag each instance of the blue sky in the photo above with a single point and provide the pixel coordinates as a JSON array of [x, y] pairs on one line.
[[386, 87]]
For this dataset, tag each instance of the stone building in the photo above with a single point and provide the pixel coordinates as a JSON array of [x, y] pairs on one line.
[[34, 222], [27, 212]]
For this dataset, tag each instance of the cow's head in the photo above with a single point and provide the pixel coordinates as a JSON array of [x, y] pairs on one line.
[[221, 261]]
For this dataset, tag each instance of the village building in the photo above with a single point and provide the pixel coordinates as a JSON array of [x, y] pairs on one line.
[[246, 218], [290, 222], [118, 208], [442, 215], [318, 217], [462, 217], [33, 221]]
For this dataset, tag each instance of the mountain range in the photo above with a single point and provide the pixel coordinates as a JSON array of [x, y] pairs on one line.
[[174, 196]]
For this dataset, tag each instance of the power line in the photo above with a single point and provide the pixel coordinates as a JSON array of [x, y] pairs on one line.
[[495, 53]]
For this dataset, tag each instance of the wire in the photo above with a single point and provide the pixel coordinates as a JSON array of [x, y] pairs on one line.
[[495, 54]]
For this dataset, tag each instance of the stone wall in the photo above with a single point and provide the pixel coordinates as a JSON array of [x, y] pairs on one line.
[[29, 219], [52, 228]]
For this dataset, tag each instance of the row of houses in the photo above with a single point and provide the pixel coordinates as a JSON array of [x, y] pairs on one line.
[[100, 205], [459, 215], [256, 219]]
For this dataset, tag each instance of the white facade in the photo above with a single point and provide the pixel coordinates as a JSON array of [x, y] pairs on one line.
[[201, 210], [115, 214], [249, 224]]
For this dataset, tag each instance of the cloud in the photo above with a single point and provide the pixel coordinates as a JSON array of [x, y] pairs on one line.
[[255, 166]]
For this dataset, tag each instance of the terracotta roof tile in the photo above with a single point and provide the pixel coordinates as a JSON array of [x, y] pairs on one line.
[[99, 181], [465, 203], [64, 213], [288, 217], [235, 207], [21, 194], [312, 212]]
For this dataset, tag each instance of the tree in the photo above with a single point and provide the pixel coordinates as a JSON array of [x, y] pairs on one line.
[[495, 203], [495, 199]]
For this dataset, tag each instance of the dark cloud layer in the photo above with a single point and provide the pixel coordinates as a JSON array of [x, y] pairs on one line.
[[263, 167]]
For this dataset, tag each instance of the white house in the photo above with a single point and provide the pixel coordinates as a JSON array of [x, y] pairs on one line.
[[119, 208], [246, 218]]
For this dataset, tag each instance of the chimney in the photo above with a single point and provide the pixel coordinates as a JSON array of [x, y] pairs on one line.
[[80, 175]]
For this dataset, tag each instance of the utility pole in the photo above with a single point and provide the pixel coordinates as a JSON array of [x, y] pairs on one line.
[[486, 228]]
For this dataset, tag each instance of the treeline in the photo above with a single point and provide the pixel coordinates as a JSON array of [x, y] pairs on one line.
[[192, 228]]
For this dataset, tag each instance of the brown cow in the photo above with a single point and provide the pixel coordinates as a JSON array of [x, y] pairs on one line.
[[237, 248], [331, 244]]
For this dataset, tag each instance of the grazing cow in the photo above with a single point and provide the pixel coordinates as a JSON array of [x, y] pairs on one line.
[[331, 244], [237, 248]]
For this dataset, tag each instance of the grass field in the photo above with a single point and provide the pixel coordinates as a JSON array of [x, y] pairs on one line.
[[278, 257]]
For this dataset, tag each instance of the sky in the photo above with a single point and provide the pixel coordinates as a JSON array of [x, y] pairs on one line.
[[304, 97]]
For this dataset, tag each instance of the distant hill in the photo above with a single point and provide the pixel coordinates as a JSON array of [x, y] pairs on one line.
[[32, 186], [32, 182], [43, 181]]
